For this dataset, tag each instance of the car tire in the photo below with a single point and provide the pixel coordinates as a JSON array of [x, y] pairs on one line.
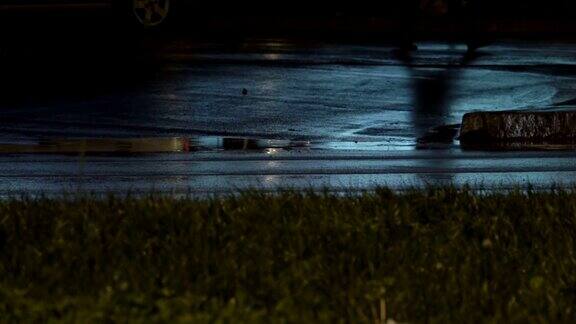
[[144, 14]]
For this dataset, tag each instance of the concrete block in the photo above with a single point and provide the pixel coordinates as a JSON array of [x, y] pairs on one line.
[[535, 127]]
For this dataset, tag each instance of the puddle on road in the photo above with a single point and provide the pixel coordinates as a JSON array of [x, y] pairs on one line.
[[149, 145], [440, 138]]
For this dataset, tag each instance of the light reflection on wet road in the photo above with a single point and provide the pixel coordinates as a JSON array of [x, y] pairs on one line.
[[339, 115], [219, 172]]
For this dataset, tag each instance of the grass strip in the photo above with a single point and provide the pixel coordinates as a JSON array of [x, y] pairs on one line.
[[433, 255]]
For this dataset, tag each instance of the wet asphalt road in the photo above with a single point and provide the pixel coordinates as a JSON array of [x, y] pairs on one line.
[[272, 113]]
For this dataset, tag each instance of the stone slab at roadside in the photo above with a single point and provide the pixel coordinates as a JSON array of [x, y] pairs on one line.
[[535, 128]]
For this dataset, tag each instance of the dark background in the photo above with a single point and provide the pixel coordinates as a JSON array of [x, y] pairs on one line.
[[287, 16], [518, 9]]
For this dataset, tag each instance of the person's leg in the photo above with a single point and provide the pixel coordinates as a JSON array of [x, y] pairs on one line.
[[471, 26], [409, 13], [456, 20]]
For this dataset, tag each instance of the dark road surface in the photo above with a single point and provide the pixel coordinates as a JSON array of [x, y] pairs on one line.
[[272, 113]]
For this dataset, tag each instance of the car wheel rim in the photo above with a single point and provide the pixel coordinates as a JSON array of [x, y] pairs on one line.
[[151, 12]]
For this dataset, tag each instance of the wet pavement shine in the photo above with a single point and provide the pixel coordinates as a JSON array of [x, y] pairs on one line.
[[189, 116]]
